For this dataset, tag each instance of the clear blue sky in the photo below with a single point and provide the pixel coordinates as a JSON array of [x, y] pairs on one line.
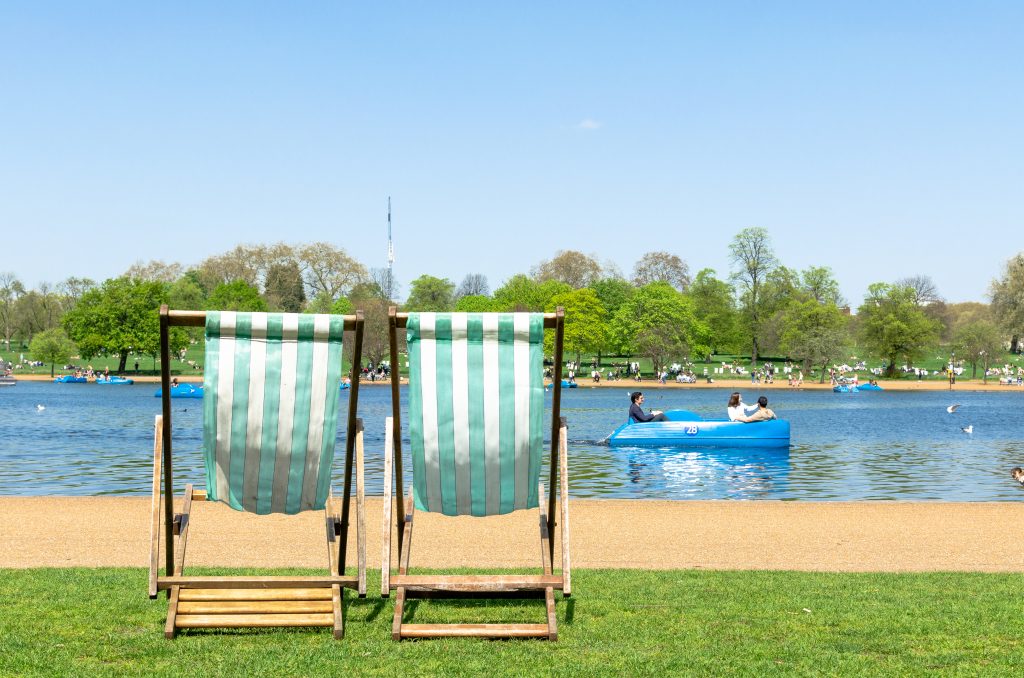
[[880, 139]]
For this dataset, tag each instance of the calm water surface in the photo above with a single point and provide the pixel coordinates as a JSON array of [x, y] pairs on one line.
[[92, 440]]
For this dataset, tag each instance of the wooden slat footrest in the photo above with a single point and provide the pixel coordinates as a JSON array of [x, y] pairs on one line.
[[194, 621], [256, 607], [284, 582], [468, 583], [254, 594], [474, 630]]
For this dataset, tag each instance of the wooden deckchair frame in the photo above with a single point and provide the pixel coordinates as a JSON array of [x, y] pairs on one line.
[[408, 586], [200, 602]]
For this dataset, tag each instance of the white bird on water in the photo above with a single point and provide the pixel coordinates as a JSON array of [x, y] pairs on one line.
[[952, 408], [40, 408], [967, 429]]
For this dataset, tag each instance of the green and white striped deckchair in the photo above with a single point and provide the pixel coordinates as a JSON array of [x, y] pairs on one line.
[[476, 418], [270, 419]]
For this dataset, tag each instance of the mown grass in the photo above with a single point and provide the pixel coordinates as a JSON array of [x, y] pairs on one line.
[[619, 622]]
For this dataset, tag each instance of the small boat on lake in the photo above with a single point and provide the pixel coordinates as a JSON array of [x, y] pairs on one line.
[[569, 384], [6, 380], [344, 385], [114, 380], [182, 391], [869, 387], [70, 379], [845, 388], [685, 428]]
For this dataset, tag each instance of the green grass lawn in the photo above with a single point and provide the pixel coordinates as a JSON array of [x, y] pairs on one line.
[[625, 622]]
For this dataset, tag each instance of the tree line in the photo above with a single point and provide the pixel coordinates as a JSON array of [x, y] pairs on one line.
[[760, 307]]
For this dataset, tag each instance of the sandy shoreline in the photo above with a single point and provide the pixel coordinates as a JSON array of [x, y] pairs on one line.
[[738, 384], [654, 534]]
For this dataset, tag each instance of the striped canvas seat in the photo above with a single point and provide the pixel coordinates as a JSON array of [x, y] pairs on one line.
[[270, 414], [476, 405]]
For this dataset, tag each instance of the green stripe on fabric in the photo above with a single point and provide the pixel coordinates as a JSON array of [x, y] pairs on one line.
[[271, 413], [211, 373], [475, 366], [445, 413], [239, 411], [334, 355], [419, 474], [536, 404], [507, 412], [300, 432]]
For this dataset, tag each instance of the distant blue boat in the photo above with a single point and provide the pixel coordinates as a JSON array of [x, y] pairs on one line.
[[345, 385], [114, 380], [845, 388], [569, 384], [70, 379], [685, 428], [869, 387], [183, 391]]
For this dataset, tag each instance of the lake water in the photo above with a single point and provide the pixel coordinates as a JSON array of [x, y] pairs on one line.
[[97, 440]]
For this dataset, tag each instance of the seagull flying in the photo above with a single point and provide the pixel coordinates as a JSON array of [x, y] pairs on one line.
[[952, 408], [967, 429]]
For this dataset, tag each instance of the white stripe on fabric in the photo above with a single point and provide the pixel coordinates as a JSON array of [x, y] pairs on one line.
[[317, 405], [521, 358], [225, 396], [460, 412], [428, 382], [286, 416], [492, 414], [254, 423]]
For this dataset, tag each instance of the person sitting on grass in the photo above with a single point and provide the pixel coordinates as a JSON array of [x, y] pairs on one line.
[[762, 413], [636, 413]]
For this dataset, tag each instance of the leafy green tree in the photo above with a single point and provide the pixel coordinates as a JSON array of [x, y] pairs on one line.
[[893, 326], [284, 288], [474, 303], [52, 346], [781, 289], [658, 322], [121, 316], [10, 290], [521, 293], [815, 333], [713, 303], [342, 307], [427, 293], [978, 343], [752, 258], [236, 295], [820, 284], [613, 293], [186, 294], [1007, 295], [584, 321]]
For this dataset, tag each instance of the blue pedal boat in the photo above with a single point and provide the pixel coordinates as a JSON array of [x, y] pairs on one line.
[[183, 391], [70, 379], [114, 380], [685, 428]]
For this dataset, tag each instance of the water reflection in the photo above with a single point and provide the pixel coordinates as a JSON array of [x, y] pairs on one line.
[[92, 440]]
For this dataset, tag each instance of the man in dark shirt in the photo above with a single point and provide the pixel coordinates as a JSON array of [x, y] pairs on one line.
[[636, 413]]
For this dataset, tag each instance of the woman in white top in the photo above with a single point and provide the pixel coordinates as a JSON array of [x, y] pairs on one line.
[[737, 409]]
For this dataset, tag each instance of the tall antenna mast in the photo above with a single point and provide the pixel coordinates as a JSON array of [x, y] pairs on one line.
[[391, 246]]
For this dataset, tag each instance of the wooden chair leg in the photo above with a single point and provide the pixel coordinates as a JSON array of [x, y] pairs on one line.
[[385, 556], [403, 568], [360, 511], [563, 501], [545, 556], [154, 528]]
